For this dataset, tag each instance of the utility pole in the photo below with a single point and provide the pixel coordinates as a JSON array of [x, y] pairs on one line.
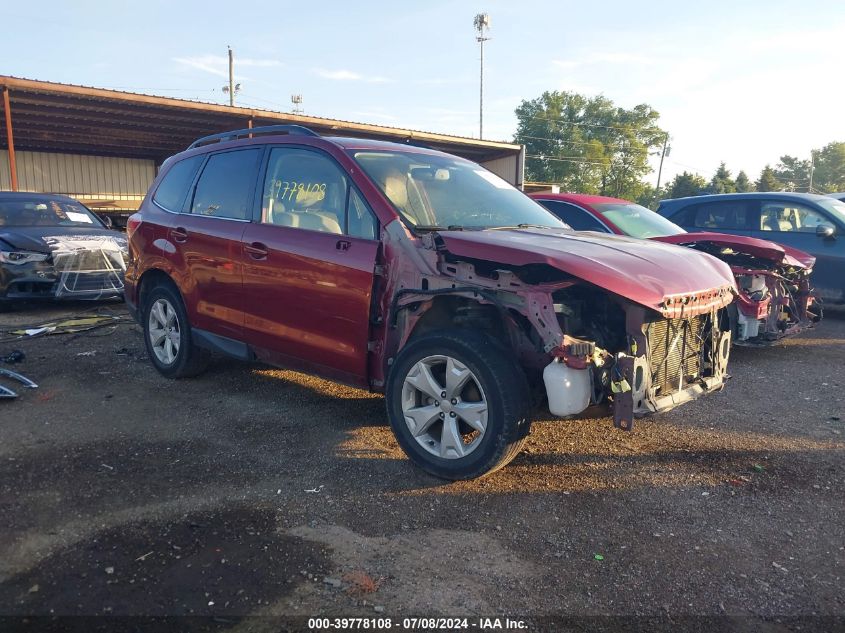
[[231, 78], [812, 167], [231, 88], [663, 154], [482, 24]]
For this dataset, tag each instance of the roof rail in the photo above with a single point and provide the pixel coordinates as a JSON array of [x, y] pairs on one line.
[[253, 131]]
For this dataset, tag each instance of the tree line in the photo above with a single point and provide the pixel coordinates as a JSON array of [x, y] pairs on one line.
[[590, 145]]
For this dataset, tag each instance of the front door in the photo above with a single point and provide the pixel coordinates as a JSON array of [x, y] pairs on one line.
[[796, 224], [308, 267]]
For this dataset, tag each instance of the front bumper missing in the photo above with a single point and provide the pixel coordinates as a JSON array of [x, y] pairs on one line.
[[641, 398]]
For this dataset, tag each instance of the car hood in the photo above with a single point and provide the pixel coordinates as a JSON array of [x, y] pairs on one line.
[[33, 238], [649, 273], [777, 253]]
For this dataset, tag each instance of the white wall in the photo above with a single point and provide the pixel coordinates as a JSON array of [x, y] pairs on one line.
[[511, 168], [89, 177]]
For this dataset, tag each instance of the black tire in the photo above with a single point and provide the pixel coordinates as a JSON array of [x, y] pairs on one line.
[[189, 360], [505, 389]]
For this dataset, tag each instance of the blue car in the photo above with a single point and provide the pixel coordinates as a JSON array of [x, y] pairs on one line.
[[811, 223]]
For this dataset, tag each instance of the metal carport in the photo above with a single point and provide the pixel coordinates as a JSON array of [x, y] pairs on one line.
[[104, 146]]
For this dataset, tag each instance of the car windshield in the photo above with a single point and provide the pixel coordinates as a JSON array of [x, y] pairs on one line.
[[45, 212], [637, 221], [835, 207], [440, 192]]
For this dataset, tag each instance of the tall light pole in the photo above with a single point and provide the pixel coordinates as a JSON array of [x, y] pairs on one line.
[[296, 100], [482, 25]]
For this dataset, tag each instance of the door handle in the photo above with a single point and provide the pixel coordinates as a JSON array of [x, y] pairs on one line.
[[257, 250], [343, 245], [179, 234]]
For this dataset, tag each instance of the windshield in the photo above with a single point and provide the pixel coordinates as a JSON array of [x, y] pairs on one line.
[[834, 207], [439, 192], [637, 221], [45, 212]]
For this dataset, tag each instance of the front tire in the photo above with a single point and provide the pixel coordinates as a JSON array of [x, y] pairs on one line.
[[167, 335], [458, 403]]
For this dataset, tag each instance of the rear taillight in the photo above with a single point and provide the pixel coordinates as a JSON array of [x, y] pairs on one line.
[[132, 224]]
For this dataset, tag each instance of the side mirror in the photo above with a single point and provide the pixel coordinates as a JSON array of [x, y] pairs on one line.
[[825, 231], [107, 221]]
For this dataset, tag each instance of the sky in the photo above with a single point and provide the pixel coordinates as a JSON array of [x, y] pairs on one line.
[[740, 82]]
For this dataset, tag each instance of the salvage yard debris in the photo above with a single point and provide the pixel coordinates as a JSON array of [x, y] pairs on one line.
[[5, 392], [361, 583], [69, 326], [15, 356]]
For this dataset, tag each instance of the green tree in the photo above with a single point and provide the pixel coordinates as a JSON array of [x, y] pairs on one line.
[[793, 173], [722, 181], [587, 144], [768, 181], [829, 172], [649, 196], [743, 185], [686, 184]]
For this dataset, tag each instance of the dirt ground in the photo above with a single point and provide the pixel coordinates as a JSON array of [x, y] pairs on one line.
[[254, 491]]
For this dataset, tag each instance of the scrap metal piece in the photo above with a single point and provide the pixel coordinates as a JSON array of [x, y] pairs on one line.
[[26, 382], [5, 392]]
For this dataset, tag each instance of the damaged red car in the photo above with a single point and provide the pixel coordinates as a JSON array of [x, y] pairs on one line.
[[775, 297], [421, 275]]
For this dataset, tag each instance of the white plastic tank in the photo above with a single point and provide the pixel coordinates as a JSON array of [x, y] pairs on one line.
[[568, 389]]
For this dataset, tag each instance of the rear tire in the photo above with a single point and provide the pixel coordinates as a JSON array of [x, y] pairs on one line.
[[458, 403], [167, 335]]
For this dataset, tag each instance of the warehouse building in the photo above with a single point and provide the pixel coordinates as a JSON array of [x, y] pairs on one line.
[[104, 147]]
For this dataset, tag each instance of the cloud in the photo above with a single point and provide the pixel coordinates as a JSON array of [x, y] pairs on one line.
[[604, 58], [440, 81], [348, 75], [219, 64]]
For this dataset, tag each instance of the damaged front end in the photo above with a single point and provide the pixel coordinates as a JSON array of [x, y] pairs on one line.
[[71, 267], [775, 298], [88, 267], [641, 360], [643, 346]]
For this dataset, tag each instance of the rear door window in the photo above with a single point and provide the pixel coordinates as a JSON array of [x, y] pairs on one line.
[[225, 187], [728, 215], [577, 218], [173, 188]]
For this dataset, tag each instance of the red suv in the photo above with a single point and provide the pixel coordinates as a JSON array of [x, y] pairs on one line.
[[420, 275]]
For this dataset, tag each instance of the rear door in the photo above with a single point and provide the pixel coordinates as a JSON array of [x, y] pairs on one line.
[[309, 266], [795, 224], [208, 236], [735, 216]]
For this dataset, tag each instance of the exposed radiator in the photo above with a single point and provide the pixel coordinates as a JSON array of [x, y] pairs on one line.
[[675, 350]]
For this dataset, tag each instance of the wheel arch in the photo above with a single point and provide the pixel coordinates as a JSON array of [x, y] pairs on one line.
[[149, 280]]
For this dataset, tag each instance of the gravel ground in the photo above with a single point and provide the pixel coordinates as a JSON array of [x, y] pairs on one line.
[[253, 491]]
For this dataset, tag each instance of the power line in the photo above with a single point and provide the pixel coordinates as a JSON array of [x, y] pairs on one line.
[[590, 125], [615, 148], [569, 159]]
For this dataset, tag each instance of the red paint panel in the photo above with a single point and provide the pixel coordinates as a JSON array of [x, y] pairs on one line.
[[642, 271], [309, 297]]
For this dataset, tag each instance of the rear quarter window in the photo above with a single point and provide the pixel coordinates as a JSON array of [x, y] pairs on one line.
[[173, 188]]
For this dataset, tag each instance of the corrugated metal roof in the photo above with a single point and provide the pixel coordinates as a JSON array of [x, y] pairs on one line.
[[59, 117]]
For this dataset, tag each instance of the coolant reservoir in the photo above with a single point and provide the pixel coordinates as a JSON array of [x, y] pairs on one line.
[[568, 389]]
